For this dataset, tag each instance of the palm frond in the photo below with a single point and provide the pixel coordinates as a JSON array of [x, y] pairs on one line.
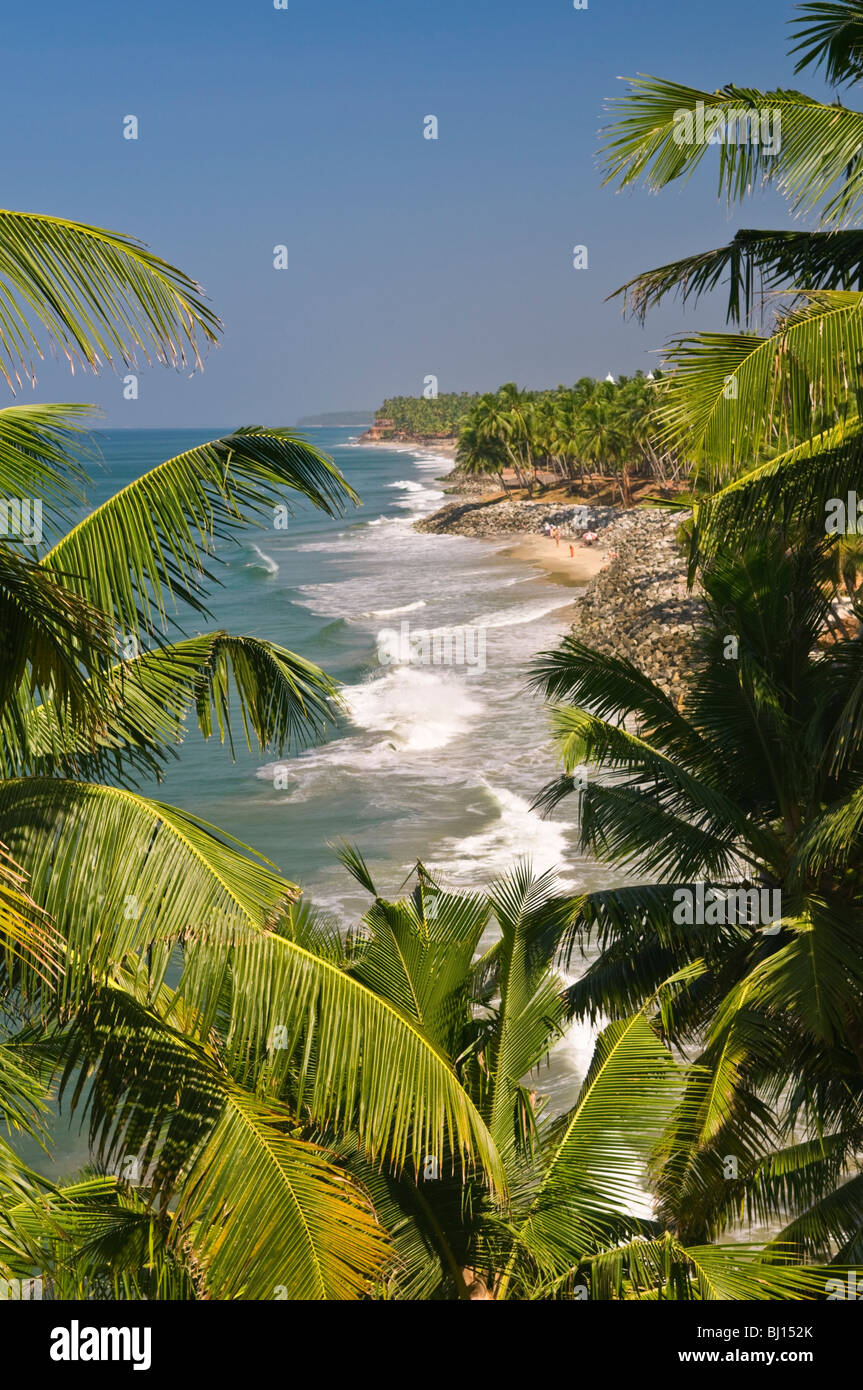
[[54, 644], [282, 702], [270, 1217], [93, 295], [794, 485], [362, 1063], [120, 874], [416, 953], [741, 1272], [26, 932], [828, 1223], [42, 452], [145, 548], [830, 32], [732, 395], [663, 130], [531, 1009], [599, 1168], [753, 264]]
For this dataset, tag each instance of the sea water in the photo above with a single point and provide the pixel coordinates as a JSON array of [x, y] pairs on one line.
[[428, 762]]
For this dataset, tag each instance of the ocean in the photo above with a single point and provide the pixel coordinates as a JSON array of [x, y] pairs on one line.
[[431, 762]]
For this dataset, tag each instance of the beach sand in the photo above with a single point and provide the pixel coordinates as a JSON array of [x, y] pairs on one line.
[[555, 560]]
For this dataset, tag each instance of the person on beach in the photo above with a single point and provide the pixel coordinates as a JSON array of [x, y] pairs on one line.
[[588, 538], [572, 552], [557, 535]]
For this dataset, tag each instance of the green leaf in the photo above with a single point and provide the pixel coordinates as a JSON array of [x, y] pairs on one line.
[[814, 161], [755, 262], [144, 550], [95, 295], [269, 1217], [282, 701], [599, 1169], [121, 874]]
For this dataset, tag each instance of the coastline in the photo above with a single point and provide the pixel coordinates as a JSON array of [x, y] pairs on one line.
[[633, 601], [554, 561], [432, 446]]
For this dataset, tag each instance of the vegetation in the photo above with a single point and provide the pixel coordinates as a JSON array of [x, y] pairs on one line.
[[575, 1223], [752, 784], [424, 416], [275, 1110], [755, 783], [771, 420], [139, 944], [591, 431], [584, 435]]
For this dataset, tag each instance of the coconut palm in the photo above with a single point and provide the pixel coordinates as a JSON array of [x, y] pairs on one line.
[[106, 895], [577, 1221], [93, 296], [770, 418], [654, 138], [602, 436], [754, 783], [610, 425], [498, 418], [478, 454]]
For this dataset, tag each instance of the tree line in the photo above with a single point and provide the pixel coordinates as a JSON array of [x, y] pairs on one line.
[[279, 1110], [594, 430]]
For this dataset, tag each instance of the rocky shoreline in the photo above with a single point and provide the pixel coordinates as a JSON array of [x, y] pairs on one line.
[[638, 606], [485, 516], [441, 443]]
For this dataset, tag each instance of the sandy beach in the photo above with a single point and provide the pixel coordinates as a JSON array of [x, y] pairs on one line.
[[555, 560]]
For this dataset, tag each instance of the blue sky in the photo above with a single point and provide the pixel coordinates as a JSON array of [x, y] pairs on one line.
[[407, 257]]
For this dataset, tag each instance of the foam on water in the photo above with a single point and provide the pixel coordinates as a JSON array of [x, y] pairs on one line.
[[412, 708], [523, 612], [517, 833], [265, 562], [393, 612], [432, 748]]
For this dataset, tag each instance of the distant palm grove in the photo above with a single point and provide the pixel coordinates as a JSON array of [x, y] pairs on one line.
[[278, 1109], [443, 414], [587, 434]]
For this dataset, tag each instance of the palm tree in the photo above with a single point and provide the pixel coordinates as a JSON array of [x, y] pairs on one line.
[[602, 436], [477, 454], [753, 784], [647, 141], [597, 422], [575, 1220], [94, 296], [495, 421], [106, 895], [770, 419]]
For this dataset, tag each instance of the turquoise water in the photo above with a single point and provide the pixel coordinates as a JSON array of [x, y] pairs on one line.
[[431, 762]]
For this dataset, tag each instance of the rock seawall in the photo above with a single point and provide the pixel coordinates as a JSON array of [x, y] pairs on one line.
[[480, 517], [638, 606]]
